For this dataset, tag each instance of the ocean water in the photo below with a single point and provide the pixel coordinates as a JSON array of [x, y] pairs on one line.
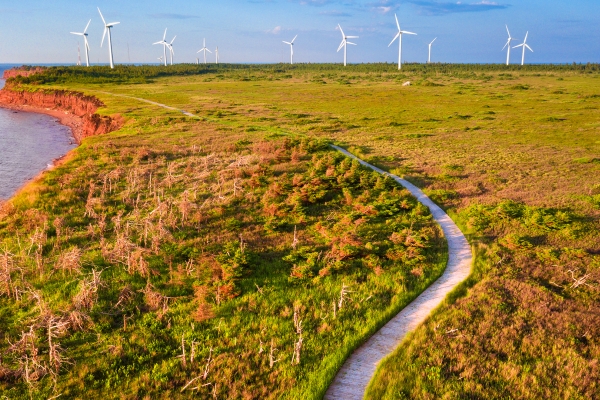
[[29, 143]]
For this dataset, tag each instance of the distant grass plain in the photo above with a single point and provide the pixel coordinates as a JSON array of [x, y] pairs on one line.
[[512, 153]]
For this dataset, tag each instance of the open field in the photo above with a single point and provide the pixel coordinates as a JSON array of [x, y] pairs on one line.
[[192, 221]]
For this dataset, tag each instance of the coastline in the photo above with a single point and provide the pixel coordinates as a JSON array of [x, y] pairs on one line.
[[72, 121], [81, 126]]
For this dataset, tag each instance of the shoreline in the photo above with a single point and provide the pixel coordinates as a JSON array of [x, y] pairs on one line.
[[72, 121]]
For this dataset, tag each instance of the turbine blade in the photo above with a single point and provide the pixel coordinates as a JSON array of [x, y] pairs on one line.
[[507, 31], [527, 34], [157, 43], [520, 45], [87, 45], [286, 42], [351, 37], [103, 36], [209, 51], [87, 26], [344, 36], [173, 39], [113, 24], [165, 34], [394, 39], [529, 48], [408, 33], [354, 44], [101, 16], [77, 33], [433, 41], [294, 38], [342, 45], [507, 44], [397, 23]]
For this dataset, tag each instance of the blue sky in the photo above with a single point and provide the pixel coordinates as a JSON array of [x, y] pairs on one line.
[[37, 31]]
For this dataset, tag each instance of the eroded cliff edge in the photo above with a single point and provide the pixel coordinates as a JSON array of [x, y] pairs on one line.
[[74, 109]]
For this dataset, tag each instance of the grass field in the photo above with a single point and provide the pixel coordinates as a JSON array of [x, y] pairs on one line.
[[216, 236]]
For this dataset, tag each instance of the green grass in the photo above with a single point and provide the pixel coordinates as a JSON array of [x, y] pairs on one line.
[[510, 152]]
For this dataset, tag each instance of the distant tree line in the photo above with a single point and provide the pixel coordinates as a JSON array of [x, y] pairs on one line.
[[146, 73]]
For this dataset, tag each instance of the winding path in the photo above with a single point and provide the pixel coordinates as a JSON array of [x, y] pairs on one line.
[[353, 378]]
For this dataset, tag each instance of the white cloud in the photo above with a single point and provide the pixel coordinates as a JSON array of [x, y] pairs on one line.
[[275, 31]]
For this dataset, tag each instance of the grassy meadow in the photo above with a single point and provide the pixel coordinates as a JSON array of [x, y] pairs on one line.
[[234, 255]]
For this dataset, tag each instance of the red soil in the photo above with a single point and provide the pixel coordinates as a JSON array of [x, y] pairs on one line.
[[73, 109]]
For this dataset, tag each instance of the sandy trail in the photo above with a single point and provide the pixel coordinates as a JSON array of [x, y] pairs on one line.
[[354, 376]]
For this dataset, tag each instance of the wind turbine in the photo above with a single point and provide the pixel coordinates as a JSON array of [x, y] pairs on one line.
[[217, 55], [165, 45], [87, 46], [399, 37], [204, 49], [429, 58], [510, 39], [524, 45], [170, 44], [160, 59], [107, 29], [345, 42], [291, 48]]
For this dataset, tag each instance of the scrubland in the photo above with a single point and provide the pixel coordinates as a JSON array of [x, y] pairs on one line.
[[234, 255]]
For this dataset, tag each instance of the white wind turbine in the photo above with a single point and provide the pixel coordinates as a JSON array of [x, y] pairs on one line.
[[510, 39], [170, 45], [165, 45], [291, 48], [86, 45], [399, 37], [429, 58], [524, 45], [345, 42], [107, 29], [204, 49], [217, 55]]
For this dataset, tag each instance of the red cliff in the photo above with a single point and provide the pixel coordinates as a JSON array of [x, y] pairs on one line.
[[74, 109]]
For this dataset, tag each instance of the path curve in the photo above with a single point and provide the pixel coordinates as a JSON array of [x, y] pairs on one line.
[[353, 378]]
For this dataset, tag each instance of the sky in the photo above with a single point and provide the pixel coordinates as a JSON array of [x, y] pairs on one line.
[[252, 31]]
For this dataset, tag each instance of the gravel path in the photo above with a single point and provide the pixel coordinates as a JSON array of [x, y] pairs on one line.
[[351, 381], [354, 376]]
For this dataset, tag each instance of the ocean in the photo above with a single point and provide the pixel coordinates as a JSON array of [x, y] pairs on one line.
[[29, 143]]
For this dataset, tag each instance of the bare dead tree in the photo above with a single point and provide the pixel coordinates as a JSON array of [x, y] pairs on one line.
[[87, 296], [70, 261], [579, 281], [272, 351], [295, 241], [343, 296]]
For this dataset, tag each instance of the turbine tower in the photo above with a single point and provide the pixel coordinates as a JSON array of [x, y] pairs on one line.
[[78, 55], [429, 58], [291, 48], [524, 45], [399, 37], [345, 42], [217, 55], [86, 45], [510, 39], [165, 45], [107, 30], [170, 45], [204, 49]]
